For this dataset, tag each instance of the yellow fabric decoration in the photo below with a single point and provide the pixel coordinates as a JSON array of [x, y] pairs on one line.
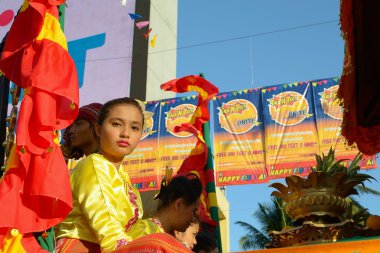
[[12, 242], [153, 41], [71, 163], [24, 5], [13, 160], [103, 206], [51, 30]]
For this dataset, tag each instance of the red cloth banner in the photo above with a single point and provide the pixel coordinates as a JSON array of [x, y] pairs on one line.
[[35, 191]]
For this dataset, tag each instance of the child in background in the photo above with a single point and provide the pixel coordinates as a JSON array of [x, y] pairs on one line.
[[106, 207], [178, 204], [188, 238]]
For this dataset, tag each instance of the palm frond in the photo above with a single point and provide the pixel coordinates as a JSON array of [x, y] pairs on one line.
[[366, 190], [270, 217], [253, 239], [356, 212]]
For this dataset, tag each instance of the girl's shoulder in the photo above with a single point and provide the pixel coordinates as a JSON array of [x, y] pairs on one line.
[[91, 159], [98, 164], [88, 164], [93, 166]]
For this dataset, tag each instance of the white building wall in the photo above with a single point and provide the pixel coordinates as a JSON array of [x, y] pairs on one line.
[[162, 59]]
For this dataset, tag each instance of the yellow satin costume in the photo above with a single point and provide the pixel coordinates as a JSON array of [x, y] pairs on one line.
[[107, 209]]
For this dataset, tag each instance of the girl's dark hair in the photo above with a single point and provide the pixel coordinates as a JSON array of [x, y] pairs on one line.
[[189, 188], [205, 243], [118, 101]]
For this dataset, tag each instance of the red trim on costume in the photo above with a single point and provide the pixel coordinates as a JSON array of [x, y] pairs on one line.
[[132, 199]]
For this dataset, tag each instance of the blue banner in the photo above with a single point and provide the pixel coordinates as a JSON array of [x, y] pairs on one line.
[[142, 163]]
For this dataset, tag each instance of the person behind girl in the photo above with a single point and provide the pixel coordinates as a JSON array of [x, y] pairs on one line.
[[80, 138], [178, 203], [106, 206], [177, 208], [188, 238]]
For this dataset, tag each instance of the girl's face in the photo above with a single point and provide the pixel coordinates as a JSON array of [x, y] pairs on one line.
[[188, 237], [120, 132]]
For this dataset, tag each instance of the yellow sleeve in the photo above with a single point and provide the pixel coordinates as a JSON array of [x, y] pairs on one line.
[[145, 227], [101, 196]]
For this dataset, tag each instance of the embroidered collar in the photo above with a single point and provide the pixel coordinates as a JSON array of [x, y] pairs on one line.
[[158, 223]]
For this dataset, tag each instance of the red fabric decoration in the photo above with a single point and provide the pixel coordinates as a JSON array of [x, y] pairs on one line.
[[158, 243], [197, 159], [35, 191], [359, 88]]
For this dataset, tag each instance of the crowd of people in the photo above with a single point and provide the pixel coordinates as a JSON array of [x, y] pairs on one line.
[[107, 209]]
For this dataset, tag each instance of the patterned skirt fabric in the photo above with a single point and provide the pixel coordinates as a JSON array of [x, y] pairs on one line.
[[69, 245], [154, 243]]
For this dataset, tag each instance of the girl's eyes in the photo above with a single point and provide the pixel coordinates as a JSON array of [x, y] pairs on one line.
[[116, 124]]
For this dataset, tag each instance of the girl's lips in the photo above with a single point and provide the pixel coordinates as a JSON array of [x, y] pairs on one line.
[[123, 144]]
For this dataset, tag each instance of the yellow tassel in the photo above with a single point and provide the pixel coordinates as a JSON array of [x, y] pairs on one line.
[[12, 242]]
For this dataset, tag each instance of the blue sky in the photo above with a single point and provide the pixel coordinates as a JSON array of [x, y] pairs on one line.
[[244, 44]]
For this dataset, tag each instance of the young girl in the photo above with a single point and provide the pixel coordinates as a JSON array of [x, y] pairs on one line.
[[178, 204], [188, 238], [106, 207]]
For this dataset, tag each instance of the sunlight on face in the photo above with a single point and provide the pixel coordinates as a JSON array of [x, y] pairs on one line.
[[120, 132], [188, 237]]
